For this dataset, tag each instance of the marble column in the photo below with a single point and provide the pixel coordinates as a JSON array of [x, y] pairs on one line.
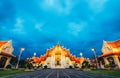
[[106, 61], [51, 62], [0, 57], [7, 62], [61, 61], [64, 62], [116, 60], [54, 61]]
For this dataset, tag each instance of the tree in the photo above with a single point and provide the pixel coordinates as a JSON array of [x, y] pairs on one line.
[[9, 66], [22, 63], [13, 61], [29, 65], [85, 64]]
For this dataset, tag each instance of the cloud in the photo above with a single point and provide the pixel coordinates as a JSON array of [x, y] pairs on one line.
[[39, 26], [19, 27], [76, 28], [78, 25], [97, 5], [59, 6]]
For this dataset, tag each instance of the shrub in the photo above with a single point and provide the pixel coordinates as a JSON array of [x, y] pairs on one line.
[[107, 66], [85, 64], [29, 66], [9, 66]]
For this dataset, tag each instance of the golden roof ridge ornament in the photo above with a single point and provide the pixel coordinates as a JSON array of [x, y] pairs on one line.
[[58, 44]]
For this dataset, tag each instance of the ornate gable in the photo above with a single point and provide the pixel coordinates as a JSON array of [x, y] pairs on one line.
[[106, 48]]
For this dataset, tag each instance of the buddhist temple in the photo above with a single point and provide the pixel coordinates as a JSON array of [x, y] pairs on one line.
[[58, 57], [111, 52], [6, 50]]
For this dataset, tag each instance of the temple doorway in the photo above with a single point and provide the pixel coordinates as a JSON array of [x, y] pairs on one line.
[[58, 61], [2, 62]]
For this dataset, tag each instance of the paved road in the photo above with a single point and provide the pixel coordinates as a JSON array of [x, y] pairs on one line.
[[58, 73]]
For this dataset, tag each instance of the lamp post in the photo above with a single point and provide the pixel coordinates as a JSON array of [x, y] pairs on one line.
[[94, 51], [27, 58], [81, 54], [34, 54], [21, 50]]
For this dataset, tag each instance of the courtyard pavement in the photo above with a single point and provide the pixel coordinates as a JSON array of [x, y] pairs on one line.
[[58, 73]]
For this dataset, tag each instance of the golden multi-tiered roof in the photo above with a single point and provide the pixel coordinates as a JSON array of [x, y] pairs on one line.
[[58, 50]]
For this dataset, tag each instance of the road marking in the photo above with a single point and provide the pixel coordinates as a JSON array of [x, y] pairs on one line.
[[77, 73], [86, 75], [57, 73], [73, 74], [47, 71], [66, 74], [49, 74]]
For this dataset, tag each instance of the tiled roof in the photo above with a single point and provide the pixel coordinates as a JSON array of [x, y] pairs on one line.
[[2, 43], [115, 44], [6, 54], [108, 54]]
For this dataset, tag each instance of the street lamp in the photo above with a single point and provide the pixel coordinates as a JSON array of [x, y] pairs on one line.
[[34, 54], [27, 58], [21, 50], [81, 54], [94, 51]]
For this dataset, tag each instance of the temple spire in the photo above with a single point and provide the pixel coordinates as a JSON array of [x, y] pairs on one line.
[[58, 44]]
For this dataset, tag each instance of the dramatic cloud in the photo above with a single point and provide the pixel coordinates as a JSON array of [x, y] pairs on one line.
[[60, 6], [78, 25]]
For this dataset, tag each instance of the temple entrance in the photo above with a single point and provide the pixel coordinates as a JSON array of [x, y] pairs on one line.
[[58, 61], [2, 62]]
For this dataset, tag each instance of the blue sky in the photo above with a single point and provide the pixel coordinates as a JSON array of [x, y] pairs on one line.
[[78, 25]]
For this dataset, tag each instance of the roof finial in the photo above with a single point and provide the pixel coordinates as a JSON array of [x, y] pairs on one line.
[[58, 44], [104, 41]]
